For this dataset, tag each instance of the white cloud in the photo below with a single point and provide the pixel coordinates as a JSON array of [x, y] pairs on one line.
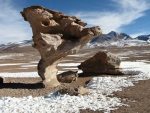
[[12, 26], [127, 12]]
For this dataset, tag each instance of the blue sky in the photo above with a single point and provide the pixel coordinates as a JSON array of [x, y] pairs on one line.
[[127, 16]]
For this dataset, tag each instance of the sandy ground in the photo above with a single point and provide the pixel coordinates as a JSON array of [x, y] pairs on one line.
[[20, 87], [137, 97]]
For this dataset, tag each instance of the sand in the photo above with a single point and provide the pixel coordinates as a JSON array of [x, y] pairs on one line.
[[137, 97]]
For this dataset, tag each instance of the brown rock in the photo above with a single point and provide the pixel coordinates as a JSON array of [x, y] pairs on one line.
[[56, 35], [102, 63], [67, 77], [1, 80], [74, 91]]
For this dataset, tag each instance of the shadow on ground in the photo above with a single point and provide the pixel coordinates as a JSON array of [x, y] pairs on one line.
[[21, 86]]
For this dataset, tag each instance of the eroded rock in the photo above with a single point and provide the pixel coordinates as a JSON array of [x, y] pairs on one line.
[[67, 77], [102, 63], [55, 35]]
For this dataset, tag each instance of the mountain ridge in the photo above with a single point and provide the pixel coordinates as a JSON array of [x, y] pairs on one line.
[[105, 40]]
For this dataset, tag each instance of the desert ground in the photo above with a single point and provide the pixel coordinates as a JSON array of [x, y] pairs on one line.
[[137, 97]]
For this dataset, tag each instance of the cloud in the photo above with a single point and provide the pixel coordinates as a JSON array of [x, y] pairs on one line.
[[12, 27], [127, 12]]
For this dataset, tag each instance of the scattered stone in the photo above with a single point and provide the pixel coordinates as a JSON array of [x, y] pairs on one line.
[[2, 80], [102, 63], [74, 91], [67, 77], [55, 35]]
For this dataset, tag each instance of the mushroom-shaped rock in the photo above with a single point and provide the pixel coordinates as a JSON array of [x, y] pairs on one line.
[[55, 35], [102, 63]]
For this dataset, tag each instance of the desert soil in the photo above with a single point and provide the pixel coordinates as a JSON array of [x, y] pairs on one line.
[[137, 97]]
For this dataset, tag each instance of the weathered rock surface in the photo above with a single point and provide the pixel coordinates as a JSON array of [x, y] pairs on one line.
[[75, 91], [56, 35], [67, 77], [102, 63], [1, 80]]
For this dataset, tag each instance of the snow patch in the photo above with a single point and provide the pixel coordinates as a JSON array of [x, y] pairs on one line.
[[99, 87]]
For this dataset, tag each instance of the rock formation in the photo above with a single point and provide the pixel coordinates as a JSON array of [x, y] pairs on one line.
[[102, 63], [55, 35], [67, 77]]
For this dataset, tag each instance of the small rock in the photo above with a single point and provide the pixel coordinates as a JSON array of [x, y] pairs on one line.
[[74, 91], [83, 91], [67, 77]]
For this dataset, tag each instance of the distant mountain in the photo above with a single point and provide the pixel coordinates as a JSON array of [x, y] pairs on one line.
[[144, 37], [105, 40], [111, 37], [118, 39], [16, 44], [25, 46]]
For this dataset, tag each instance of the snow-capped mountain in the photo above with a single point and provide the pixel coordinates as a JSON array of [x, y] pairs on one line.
[[105, 40], [11, 46], [144, 37], [118, 39], [111, 37]]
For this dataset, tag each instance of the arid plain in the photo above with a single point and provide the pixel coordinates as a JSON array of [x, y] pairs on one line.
[[25, 60]]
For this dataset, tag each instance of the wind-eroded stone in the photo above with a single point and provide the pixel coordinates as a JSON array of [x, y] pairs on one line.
[[55, 35], [102, 63]]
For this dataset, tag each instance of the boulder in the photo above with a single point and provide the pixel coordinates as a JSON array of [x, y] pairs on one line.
[[102, 63], [1, 80], [67, 77], [74, 91], [55, 35]]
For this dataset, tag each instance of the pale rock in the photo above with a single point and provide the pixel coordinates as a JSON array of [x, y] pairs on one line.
[[55, 35], [102, 63]]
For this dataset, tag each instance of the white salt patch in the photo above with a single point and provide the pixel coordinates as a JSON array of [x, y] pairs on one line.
[[60, 72], [6, 56], [68, 64], [12, 64], [142, 60], [132, 65], [99, 87], [124, 57], [79, 71], [29, 66], [34, 62], [146, 52], [79, 55], [8, 64]]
